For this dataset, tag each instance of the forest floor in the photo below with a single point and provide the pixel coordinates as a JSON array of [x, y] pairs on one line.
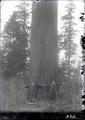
[[13, 98], [41, 106], [47, 106]]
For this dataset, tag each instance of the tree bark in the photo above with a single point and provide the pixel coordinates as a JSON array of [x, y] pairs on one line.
[[44, 42]]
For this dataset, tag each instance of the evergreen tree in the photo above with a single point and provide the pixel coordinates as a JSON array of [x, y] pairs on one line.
[[44, 44], [16, 35], [68, 36], [24, 15], [71, 71]]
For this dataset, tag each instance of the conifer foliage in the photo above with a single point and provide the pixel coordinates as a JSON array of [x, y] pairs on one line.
[[16, 35], [69, 33]]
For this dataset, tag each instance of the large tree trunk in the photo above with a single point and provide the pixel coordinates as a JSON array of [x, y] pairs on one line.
[[44, 43]]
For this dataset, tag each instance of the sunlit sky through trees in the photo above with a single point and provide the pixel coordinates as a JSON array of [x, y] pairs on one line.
[[7, 7]]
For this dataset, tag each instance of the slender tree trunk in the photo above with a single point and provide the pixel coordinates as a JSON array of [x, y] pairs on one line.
[[44, 42]]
